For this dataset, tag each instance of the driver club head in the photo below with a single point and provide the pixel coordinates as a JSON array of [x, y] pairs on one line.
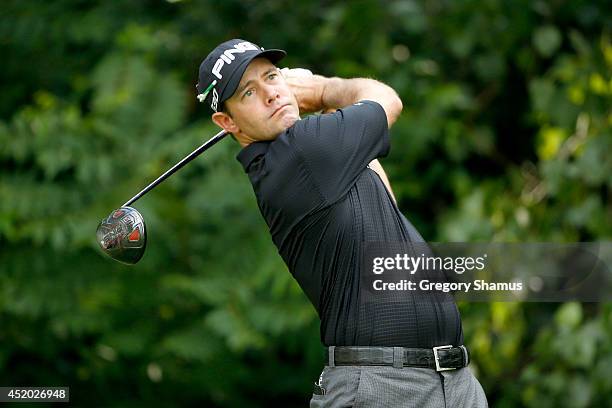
[[122, 235]]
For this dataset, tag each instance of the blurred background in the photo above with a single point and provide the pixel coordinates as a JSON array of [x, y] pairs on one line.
[[506, 136]]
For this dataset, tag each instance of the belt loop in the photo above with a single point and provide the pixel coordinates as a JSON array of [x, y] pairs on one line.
[[466, 355], [398, 357], [330, 356]]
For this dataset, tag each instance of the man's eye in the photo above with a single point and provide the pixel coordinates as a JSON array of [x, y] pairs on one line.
[[248, 93], [272, 76]]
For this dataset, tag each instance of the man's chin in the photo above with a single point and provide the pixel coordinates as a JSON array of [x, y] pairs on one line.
[[288, 120]]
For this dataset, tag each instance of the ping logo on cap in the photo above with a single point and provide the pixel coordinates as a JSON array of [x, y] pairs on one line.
[[228, 56]]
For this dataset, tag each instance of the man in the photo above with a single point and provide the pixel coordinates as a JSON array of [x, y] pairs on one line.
[[322, 201]]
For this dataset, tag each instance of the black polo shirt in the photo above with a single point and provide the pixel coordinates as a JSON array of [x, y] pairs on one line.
[[321, 201]]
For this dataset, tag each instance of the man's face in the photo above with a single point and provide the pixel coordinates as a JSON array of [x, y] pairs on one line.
[[262, 107]]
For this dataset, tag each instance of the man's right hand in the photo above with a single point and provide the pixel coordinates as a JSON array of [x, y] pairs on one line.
[[315, 93], [307, 88]]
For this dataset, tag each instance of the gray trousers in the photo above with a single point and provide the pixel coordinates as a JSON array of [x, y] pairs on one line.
[[387, 387]]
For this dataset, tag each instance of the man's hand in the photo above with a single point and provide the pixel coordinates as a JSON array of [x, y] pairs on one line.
[[296, 72], [315, 93], [307, 88]]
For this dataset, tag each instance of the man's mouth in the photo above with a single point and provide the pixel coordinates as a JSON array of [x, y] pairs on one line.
[[279, 109]]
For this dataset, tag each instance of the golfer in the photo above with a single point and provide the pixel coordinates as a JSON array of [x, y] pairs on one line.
[[323, 195]]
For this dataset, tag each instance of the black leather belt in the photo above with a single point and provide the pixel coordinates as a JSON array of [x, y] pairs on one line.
[[441, 358]]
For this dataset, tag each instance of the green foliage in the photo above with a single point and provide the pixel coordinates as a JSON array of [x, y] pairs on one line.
[[505, 136]]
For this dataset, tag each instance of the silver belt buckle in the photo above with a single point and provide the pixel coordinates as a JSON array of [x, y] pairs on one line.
[[437, 358]]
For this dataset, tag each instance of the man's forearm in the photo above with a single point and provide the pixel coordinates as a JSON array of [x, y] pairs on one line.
[[315, 93], [339, 92]]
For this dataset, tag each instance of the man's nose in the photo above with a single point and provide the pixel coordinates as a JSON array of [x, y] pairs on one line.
[[271, 94]]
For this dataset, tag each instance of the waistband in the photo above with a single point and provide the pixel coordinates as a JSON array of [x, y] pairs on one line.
[[440, 358]]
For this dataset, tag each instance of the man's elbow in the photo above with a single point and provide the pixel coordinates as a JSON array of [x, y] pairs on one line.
[[398, 105], [394, 109]]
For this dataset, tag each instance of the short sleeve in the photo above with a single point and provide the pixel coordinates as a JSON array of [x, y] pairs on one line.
[[336, 148]]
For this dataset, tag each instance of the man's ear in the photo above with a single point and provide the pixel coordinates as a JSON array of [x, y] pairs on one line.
[[225, 121]]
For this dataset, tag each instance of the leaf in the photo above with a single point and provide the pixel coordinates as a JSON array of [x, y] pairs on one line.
[[547, 40]]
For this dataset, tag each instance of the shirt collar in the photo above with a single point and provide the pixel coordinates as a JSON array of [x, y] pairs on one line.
[[251, 152]]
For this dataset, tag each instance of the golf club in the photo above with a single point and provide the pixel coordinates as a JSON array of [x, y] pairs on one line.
[[123, 235]]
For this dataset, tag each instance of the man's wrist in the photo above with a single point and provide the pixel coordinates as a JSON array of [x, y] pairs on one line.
[[319, 91], [341, 92], [329, 93]]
